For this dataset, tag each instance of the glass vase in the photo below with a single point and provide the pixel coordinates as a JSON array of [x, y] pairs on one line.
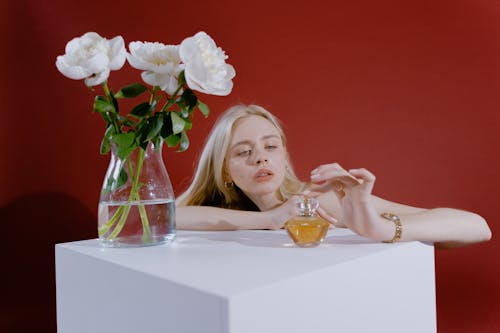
[[137, 203]]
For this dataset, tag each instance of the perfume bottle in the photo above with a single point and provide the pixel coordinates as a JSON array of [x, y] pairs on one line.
[[307, 229]]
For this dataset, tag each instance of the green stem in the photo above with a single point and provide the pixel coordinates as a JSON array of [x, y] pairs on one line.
[[107, 92], [146, 230], [109, 96], [152, 94], [133, 196], [146, 235], [120, 224], [171, 100], [105, 228]]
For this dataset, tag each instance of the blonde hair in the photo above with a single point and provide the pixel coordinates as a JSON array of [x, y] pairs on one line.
[[208, 187]]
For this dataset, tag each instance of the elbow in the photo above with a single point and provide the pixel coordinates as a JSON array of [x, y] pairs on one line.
[[483, 230], [487, 234], [474, 229]]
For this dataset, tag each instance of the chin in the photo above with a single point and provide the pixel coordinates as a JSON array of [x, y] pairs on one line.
[[265, 191]]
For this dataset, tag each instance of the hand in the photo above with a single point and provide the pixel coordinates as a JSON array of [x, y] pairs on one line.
[[332, 177], [353, 189], [282, 213]]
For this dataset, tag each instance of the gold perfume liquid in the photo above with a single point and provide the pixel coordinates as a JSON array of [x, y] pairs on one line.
[[307, 231]]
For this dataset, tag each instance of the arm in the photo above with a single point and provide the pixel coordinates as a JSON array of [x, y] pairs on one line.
[[214, 218], [355, 207], [446, 227]]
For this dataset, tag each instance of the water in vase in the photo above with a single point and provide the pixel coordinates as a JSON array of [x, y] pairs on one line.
[[136, 223]]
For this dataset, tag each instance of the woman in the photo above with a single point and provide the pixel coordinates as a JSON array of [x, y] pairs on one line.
[[244, 180]]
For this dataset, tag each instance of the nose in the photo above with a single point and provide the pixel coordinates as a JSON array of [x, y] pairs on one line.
[[260, 156], [262, 161]]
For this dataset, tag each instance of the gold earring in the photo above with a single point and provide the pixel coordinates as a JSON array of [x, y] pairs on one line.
[[228, 185]]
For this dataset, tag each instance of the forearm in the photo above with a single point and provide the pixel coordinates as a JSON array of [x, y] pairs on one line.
[[213, 218], [445, 227]]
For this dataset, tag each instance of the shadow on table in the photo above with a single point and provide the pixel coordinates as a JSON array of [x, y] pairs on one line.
[[277, 239]]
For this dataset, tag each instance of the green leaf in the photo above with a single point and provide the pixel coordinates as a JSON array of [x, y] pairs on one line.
[[173, 140], [141, 133], [125, 143], [141, 110], [106, 117], [130, 91], [156, 123], [122, 178], [126, 121], [203, 108], [184, 144], [184, 113], [105, 143], [157, 143], [124, 153], [143, 145], [188, 125], [124, 139], [102, 105], [189, 98], [112, 183], [115, 103], [153, 106], [177, 122], [149, 129], [166, 129]]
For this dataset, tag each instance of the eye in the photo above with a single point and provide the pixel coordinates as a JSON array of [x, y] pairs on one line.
[[244, 153], [272, 145]]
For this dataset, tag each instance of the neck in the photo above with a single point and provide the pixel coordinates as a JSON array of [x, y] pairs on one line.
[[268, 201]]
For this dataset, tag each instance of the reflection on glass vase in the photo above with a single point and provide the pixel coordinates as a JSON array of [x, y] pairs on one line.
[[137, 203]]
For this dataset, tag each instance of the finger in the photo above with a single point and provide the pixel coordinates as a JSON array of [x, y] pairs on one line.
[[333, 167], [363, 174], [343, 176], [367, 177], [295, 199], [331, 172], [310, 193], [336, 187], [327, 217], [320, 188]]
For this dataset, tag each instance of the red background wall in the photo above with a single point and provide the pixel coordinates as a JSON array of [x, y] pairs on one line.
[[407, 89]]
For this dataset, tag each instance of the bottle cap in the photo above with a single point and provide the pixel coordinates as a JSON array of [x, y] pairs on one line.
[[307, 206]]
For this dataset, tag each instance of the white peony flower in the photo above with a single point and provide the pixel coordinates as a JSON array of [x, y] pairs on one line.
[[205, 66], [91, 57], [161, 64]]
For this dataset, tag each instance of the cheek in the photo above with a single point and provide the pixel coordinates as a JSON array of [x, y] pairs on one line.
[[236, 169], [281, 163]]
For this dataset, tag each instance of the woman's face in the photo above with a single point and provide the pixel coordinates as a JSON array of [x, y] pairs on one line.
[[256, 159]]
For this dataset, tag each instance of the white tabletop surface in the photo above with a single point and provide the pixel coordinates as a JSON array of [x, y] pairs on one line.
[[229, 262]]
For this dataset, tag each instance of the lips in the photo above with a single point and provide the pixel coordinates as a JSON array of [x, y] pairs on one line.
[[263, 175]]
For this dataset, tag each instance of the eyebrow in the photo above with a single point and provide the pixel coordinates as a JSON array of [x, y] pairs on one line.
[[265, 137]]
